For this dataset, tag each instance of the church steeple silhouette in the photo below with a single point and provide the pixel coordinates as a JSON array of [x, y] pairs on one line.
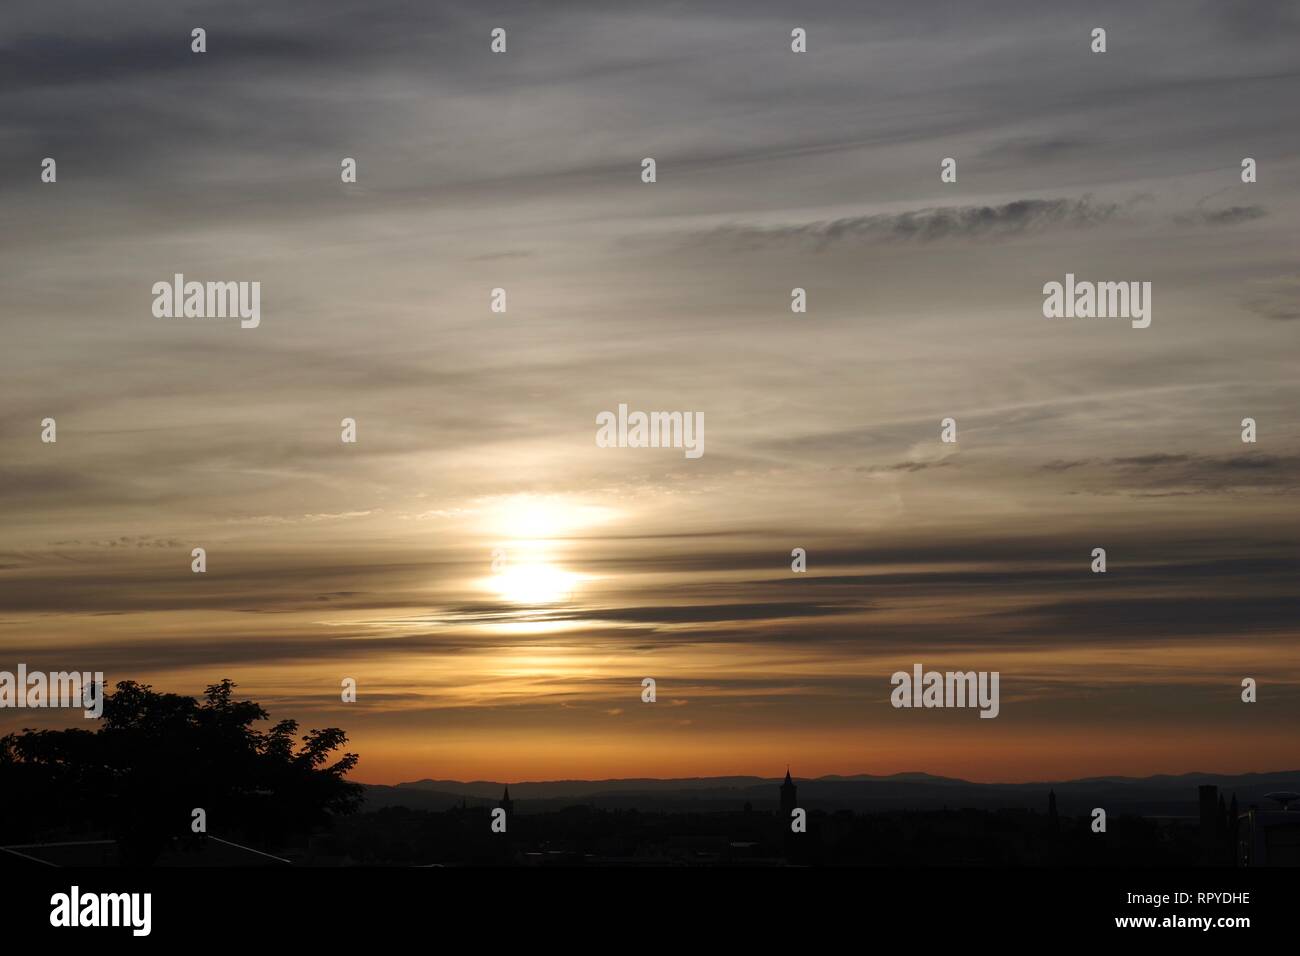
[[788, 791], [505, 802]]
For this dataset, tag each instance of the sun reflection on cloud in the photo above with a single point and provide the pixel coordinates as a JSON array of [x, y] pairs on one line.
[[538, 518]]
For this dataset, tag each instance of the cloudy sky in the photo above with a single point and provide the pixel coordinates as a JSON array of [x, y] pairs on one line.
[[476, 430]]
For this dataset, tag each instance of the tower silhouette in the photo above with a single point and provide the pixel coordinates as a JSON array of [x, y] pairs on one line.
[[788, 791], [505, 803]]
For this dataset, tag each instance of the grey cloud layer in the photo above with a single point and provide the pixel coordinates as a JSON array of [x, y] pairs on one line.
[[775, 171], [927, 225]]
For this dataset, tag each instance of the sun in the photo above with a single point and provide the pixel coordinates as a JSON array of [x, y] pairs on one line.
[[531, 530], [534, 583]]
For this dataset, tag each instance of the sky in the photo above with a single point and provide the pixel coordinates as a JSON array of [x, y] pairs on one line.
[[476, 430]]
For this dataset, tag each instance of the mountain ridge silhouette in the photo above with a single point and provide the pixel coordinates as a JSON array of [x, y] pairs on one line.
[[1159, 794]]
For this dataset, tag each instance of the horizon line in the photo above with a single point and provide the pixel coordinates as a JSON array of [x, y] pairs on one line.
[[837, 776]]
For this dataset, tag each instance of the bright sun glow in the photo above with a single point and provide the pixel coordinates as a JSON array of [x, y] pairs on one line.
[[537, 518], [534, 583], [529, 528]]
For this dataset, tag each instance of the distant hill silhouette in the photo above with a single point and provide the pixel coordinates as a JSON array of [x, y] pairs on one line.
[[1159, 795]]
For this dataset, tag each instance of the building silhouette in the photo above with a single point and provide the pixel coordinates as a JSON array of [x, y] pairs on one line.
[[505, 803]]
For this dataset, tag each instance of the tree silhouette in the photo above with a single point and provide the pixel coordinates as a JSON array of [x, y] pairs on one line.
[[157, 757]]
